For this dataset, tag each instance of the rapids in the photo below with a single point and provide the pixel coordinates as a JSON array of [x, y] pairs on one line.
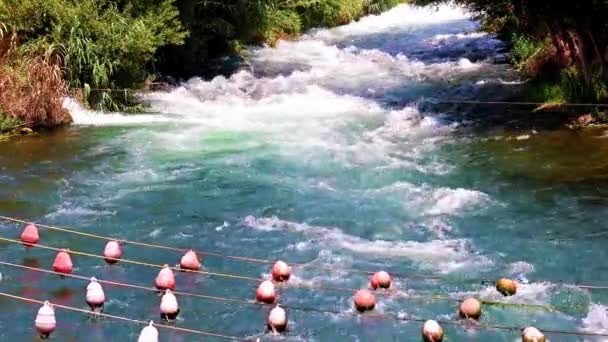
[[325, 150]]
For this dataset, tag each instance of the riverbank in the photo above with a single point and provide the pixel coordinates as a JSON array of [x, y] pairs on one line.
[[318, 155], [561, 50], [94, 50]]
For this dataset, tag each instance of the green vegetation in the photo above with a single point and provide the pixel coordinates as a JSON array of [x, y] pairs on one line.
[[8, 122], [97, 48], [562, 47], [218, 28], [101, 44]]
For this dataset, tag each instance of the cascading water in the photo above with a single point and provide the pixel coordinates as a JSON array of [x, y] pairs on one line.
[[319, 152]]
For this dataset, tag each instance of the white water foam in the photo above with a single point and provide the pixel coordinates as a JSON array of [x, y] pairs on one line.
[[82, 116], [426, 200], [596, 321], [402, 15], [442, 255]]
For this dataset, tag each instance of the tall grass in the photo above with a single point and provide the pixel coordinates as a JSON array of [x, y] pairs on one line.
[[32, 88]]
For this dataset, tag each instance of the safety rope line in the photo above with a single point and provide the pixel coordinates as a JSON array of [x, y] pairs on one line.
[[514, 103], [126, 319], [215, 274], [263, 261], [257, 260], [214, 254], [250, 302], [467, 324]]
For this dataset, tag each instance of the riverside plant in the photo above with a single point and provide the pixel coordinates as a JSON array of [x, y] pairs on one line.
[[32, 89]]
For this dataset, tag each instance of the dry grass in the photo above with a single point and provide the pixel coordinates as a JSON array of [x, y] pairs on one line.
[[32, 89]]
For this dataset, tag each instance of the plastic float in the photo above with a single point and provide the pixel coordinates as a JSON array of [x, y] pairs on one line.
[[165, 280], [281, 271], [112, 252], [266, 292]]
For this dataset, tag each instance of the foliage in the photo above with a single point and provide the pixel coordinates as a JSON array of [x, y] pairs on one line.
[[571, 40], [217, 27], [8, 122], [526, 47], [102, 44], [32, 89]]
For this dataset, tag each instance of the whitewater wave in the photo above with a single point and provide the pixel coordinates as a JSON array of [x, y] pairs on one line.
[[427, 200], [442, 255], [596, 321], [398, 17], [85, 117]]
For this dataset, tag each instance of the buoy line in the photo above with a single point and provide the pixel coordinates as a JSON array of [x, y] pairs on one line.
[[466, 324], [262, 261], [126, 319], [213, 254], [387, 293], [215, 274], [250, 302]]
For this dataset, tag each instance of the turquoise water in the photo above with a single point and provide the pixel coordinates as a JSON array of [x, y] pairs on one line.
[[320, 153]]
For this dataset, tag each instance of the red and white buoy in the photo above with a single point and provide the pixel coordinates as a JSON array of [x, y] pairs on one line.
[[470, 308], [169, 308], [112, 252], [165, 279], [266, 293], [277, 320], [380, 280], [30, 235], [281, 271], [63, 262], [148, 334], [432, 331], [190, 261], [364, 300], [95, 296], [45, 320]]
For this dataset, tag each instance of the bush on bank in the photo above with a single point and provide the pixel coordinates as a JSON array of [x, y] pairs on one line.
[[100, 47]]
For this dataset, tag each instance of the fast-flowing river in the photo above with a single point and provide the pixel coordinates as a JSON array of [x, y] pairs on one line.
[[332, 151]]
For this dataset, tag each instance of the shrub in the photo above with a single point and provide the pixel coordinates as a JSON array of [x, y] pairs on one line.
[[32, 90]]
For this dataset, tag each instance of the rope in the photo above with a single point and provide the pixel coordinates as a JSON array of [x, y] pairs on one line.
[[214, 254], [216, 274], [467, 324], [515, 103], [254, 260], [248, 302], [126, 319]]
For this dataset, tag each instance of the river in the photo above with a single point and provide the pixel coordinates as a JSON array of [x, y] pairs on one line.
[[330, 150]]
